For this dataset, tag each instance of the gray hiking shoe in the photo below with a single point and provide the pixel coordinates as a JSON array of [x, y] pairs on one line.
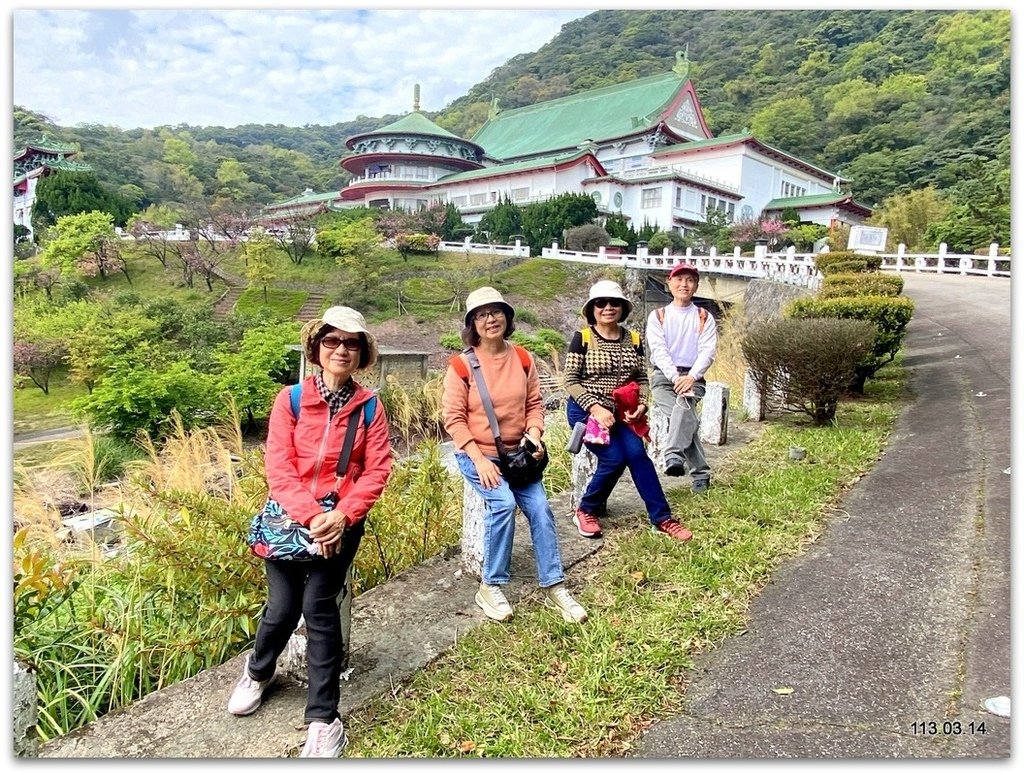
[[490, 598], [248, 693], [324, 741], [558, 597]]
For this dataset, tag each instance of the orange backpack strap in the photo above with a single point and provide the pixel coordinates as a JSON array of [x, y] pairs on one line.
[[458, 363], [701, 313], [524, 357]]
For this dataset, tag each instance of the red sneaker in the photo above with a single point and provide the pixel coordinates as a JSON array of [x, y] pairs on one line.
[[587, 524], [673, 529]]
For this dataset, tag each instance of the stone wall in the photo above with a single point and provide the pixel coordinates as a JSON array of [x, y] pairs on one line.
[[765, 299]]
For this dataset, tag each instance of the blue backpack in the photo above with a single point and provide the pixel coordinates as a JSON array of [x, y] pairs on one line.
[[369, 408]]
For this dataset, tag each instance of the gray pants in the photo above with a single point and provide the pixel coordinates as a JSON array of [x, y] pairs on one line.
[[683, 427]]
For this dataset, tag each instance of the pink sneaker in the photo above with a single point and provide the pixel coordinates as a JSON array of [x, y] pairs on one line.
[[673, 529], [587, 524]]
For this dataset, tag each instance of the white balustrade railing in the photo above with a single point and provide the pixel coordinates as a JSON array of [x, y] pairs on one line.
[[517, 250], [990, 265], [789, 267]]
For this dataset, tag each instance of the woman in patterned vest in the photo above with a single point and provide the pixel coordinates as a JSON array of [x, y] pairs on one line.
[[606, 378]]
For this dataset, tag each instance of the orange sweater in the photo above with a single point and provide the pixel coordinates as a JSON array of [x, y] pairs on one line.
[[515, 395]]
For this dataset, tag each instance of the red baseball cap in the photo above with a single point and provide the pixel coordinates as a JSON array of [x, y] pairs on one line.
[[680, 268]]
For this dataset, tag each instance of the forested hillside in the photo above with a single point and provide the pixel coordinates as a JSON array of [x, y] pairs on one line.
[[895, 100]]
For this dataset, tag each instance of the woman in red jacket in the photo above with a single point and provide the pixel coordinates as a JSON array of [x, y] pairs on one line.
[[301, 459]]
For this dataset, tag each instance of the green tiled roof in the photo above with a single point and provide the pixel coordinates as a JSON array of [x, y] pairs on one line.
[[47, 144], [305, 199], [504, 169], [413, 124], [597, 114], [815, 200]]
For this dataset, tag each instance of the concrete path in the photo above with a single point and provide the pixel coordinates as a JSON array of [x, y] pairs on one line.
[[895, 626], [397, 629]]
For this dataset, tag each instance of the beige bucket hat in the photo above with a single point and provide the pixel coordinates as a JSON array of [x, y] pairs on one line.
[[606, 289], [344, 319], [484, 296]]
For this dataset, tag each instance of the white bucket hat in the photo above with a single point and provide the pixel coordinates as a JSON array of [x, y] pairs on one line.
[[344, 319], [606, 289], [481, 297]]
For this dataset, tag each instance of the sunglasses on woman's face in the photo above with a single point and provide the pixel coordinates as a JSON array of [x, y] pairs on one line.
[[334, 342], [602, 303]]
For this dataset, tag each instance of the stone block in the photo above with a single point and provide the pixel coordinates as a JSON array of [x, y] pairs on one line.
[[584, 463], [714, 419], [753, 401], [26, 743], [472, 530]]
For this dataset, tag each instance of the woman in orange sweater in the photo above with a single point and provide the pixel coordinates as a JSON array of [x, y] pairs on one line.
[[510, 376]]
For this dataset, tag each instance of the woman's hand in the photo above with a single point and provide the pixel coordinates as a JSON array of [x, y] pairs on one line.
[[636, 414], [488, 472], [326, 530], [538, 452], [602, 416]]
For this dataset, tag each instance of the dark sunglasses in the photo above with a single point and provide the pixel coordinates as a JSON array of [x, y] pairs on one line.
[[334, 342], [602, 303]]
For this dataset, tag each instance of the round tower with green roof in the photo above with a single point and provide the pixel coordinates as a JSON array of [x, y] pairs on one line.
[[403, 158]]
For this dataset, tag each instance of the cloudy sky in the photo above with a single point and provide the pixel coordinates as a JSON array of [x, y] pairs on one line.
[[143, 68]]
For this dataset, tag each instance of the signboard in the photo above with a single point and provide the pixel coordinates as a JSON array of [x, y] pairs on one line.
[[867, 238]]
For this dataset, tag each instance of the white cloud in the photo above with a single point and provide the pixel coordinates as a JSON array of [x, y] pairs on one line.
[[135, 68]]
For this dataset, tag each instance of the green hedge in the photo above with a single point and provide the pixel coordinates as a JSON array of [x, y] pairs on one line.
[[860, 284], [845, 261], [890, 314]]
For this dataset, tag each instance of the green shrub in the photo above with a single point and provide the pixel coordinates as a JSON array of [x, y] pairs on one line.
[[861, 284], [451, 342], [541, 341], [809, 362], [825, 260], [527, 316], [890, 314], [853, 266]]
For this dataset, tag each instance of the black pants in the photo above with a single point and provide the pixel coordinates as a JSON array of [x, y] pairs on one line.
[[309, 589]]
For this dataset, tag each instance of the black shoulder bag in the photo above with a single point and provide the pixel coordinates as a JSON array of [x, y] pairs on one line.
[[517, 464]]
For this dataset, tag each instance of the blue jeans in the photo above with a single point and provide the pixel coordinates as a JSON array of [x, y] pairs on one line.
[[500, 524], [626, 450]]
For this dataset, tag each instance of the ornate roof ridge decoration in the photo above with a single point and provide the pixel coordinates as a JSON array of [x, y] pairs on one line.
[[682, 66], [47, 145]]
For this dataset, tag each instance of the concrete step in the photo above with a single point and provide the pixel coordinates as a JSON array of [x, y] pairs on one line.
[[224, 307]]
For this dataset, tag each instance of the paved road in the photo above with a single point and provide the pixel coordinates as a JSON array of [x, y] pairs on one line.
[[899, 616], [22, 440]]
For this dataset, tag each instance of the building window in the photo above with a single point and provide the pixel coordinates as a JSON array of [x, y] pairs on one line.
[[792, 190], [679, 196], [458, 201], [650, 198], [519, 194], [478, 199]]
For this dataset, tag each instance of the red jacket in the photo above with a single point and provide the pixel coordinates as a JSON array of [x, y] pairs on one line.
[[301, 459]]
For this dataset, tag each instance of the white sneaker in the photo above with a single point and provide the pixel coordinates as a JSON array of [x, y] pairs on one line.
[[248, 693], [558, 597], [324, 741], [490, 598]]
